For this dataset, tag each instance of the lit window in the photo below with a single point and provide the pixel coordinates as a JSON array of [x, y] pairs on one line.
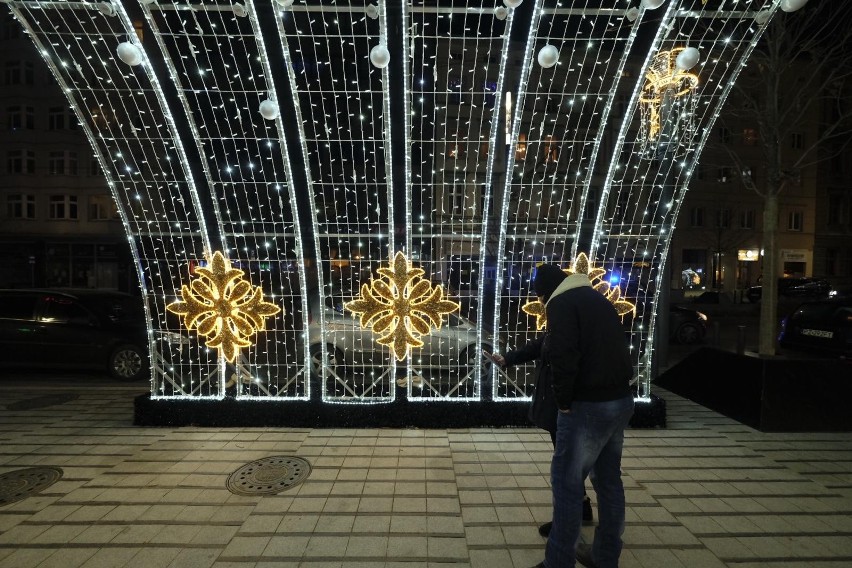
[[521, 150], [102, 208], [795, 221]]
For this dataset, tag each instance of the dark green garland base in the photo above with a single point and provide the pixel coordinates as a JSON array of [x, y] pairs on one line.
[[230, 412]]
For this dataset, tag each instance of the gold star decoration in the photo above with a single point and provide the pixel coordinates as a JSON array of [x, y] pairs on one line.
[[225, 308], [403, 308], [582, 265]]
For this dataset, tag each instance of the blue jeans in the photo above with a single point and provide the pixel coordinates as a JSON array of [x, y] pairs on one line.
[[589, 441]]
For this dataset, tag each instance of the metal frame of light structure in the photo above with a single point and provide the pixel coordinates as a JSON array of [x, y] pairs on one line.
[[693, 148], [208, 145]]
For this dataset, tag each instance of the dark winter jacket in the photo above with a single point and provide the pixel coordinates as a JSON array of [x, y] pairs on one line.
[[586, 350], [543, 409]]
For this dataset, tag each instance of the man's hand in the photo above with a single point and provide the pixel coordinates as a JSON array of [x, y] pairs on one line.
[[496, 358]]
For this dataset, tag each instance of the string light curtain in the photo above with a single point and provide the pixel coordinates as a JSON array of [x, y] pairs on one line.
[[649, 175], [342, 106], [458, 52], [217, 58], [571, 72]]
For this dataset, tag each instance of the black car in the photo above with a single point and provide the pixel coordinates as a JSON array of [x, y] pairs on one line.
[[820, 327], [686, 326], [74, 329], [815, 288]]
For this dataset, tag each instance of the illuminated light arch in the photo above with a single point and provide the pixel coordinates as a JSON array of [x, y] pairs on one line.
[[575, 177]]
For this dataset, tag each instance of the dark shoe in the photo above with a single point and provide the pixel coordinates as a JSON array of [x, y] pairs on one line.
[[584, 555], [544, 530], [588, 517]]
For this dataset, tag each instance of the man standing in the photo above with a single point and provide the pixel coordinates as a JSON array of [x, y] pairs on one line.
[[591, 371]]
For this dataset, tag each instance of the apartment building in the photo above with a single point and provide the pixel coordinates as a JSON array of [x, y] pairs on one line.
[[59, 226]]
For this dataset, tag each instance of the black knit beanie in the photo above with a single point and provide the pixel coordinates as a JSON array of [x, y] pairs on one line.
[[547, 278]]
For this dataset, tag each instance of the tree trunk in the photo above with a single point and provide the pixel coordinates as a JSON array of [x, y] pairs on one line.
[[769, 282]]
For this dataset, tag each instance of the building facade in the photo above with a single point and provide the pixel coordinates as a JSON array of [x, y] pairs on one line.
[[59, 226]]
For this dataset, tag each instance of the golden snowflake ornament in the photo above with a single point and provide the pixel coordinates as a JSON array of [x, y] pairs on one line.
[[582, 265], [403, 308], [225, 308]]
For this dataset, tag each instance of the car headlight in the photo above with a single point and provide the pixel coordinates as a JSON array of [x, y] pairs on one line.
[[702, 317]]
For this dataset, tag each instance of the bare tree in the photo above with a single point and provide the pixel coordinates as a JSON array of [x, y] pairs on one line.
[[799, 78]]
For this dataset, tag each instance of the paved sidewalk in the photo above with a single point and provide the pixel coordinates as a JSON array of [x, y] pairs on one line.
[[706, 492]]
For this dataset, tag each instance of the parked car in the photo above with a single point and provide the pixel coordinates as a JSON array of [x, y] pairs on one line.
[[74, 329], [713, 297], [686, 326], [347, 343], [821, 327], [815, 288]]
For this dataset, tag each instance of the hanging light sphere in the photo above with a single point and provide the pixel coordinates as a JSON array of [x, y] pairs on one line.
[[268, 109], [762, 17], [129, 53], [792, 5], [512, 3], [548, 56], [687, 58], [380, 56], [500, 13], [284, 3], [372, 11], [652, 4], [632, 14]]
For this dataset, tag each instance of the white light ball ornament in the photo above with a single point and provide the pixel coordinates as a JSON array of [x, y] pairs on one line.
[[129, 53], [380, 56], [501, 13], [687, 59], [269, 109], [372, 11], [762, 17], [652, 4], [793, 5], [512, 3], [548, 56]]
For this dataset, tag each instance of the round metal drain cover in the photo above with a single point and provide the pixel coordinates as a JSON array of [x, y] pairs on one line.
[[268, 476], [20, 484]]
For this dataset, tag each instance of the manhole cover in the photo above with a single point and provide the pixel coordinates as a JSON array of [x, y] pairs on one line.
[[268, 476], [42, 401], [21, 483]]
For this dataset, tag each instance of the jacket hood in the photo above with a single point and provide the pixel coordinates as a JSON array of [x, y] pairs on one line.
[[548, 277], [573, 281]]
